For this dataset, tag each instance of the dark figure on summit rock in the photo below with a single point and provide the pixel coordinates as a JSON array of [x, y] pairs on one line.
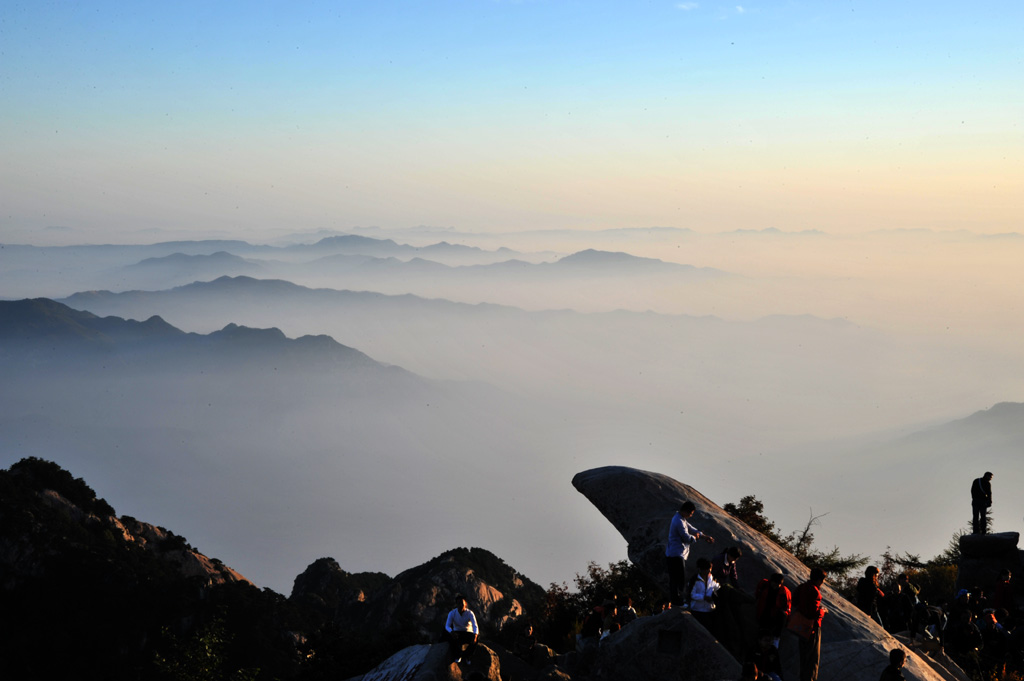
[[981, 500]]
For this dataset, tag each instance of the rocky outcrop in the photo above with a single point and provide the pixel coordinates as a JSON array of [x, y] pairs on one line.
[[162, 543], [640, 505], [420, 598], [984, 556], [432, 663], [660, 647], [170, 547]]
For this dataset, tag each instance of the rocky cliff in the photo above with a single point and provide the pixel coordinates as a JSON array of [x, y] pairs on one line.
[[419, 598]]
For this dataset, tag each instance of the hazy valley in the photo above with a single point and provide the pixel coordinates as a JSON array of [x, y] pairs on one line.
[[493, 373]]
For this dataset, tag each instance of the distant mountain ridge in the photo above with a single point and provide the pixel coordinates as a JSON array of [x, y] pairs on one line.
[[47, 330]]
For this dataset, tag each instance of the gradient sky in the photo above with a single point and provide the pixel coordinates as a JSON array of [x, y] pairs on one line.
[[481, 115]]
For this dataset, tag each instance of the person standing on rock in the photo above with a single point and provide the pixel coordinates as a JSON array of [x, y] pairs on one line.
[[807, 601], [773, 602], [869, 596], [724, 567], [461, 630], [981, 500], [680, 535]]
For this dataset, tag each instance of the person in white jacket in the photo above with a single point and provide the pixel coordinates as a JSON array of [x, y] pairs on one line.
[[460, 629], [702, 594]]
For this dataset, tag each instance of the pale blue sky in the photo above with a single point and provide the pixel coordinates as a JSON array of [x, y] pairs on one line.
[[485, 115]]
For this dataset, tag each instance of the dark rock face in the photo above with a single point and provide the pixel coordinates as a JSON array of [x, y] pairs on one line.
[[418, 600], [432, 663], [95, 516], [114, 595], [984, 556], [662, 647], [641, 504]]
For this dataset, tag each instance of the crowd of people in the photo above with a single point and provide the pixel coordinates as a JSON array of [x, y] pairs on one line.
[[977, 629]]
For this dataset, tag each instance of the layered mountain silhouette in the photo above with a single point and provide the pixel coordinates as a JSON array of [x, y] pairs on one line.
[[345, 261], [50, 332]]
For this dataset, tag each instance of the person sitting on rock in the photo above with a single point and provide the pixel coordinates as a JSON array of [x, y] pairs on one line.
[[460, 630], [894, 672], [767, 658], [702, 594], [614, 627], [627, 613], [525, 642]]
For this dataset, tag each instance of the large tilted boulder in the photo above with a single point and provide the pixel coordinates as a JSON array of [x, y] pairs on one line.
[[641, 504]]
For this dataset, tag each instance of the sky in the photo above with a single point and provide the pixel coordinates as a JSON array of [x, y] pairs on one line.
[[240, 119]]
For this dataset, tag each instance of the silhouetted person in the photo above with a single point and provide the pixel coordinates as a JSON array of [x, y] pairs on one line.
[[868, 594], [627, 613], [807, 601], [681, 534], [907, 587], [981, 500], [894, 672], [767, 659], [1002, 596], [525, 643], [962, 641], [899, 608], [590, 636], [995, 645]]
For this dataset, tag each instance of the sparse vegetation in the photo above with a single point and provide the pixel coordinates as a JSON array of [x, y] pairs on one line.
[[839, 566]]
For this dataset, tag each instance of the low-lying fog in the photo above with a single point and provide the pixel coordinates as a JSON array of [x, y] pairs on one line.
[[822, 357]]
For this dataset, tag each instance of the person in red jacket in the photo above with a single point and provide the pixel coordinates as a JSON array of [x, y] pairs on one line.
[[807, 601], [773, 603]]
